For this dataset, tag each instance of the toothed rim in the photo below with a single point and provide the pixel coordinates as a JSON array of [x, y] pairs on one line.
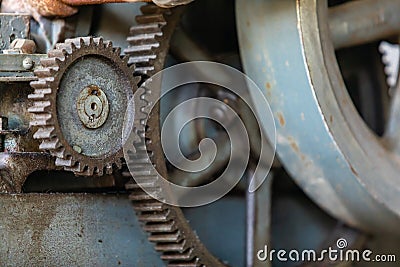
[[45, 100], [166, 225]]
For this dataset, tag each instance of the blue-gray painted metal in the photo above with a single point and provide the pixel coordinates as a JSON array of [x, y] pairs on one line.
[[319, 146]]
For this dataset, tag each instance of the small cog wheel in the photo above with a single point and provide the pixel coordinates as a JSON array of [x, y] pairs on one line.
[[79, 101]]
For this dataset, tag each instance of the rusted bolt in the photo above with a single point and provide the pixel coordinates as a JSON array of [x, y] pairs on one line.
[[27, 63], [3, 123], [24, 46]]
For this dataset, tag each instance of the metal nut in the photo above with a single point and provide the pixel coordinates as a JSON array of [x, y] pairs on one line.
[[25, 46]]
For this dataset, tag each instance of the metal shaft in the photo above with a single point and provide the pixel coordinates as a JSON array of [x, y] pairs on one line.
[[363, 21]]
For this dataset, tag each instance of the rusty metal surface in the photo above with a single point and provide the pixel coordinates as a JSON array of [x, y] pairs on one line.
[[21, 46], [16, 166], [360, 22], [13, 26], [92, 106], [65, 8], [72, 230], [59, 126], [96, 2], [15, 63], [38, 7]]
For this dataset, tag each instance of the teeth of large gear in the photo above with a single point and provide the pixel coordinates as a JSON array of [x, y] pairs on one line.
[[44, 107], [166, 225], [390, 58]]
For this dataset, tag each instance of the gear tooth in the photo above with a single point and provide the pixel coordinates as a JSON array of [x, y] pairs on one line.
[[39, 94], [39, 84], [66, 163], [58, 61], [80, 170], [142, 19], [143, 58], [64, 48], [36, 96], [152, 206], [49, 61], [91, 42], [82, 42], [43, 132], [43, 72], [50, 144], [171, 247], [57, 53], [140, 196], [96, 40], [108, 168], [125, 59], [100, 171], [59, 152], [109, 44], [40, 119], [184, 256], [73, 47], [96, 171], [39, 107], [101, 42], [117, 51], [165, 238]]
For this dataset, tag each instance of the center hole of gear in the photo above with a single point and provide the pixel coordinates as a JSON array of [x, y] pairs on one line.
[[92, 106]]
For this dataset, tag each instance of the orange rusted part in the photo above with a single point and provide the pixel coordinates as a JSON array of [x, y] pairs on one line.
[[52, 8], [95, 2]]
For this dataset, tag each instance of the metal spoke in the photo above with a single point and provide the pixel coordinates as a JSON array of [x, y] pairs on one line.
[[359, 22]]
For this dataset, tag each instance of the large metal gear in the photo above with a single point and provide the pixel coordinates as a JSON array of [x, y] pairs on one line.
[[166, 225], [82, 85]]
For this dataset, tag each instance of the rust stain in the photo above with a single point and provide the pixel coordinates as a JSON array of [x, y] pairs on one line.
[[281, 119], [295, 147], [330, 118], [353, 170], [268, 86], [49, 8], [94, 90]]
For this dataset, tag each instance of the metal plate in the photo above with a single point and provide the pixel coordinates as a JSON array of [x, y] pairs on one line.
[[72, 230]]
